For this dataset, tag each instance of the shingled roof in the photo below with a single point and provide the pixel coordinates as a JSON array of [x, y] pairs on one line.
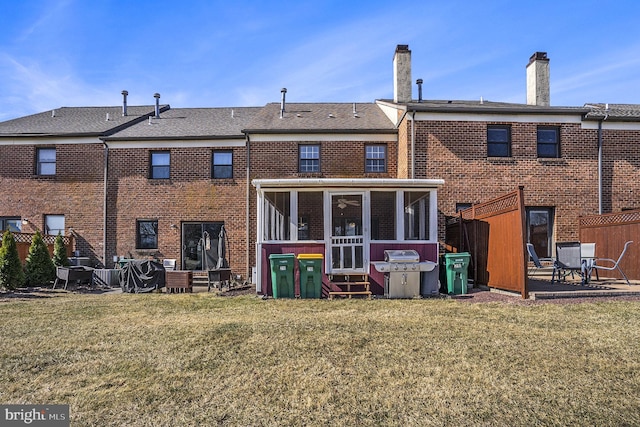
[[321, 118], [75, 121], [622, 112], [191, 123], [483, 106]]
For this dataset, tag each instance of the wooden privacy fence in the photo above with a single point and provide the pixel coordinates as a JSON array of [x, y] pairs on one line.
[[23, 242], [610, 232], [493, 233]]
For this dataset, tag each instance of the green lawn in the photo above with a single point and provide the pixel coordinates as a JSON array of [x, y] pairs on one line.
[[201, 359]]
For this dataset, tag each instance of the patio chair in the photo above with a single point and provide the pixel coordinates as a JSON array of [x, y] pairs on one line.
[[169, 264], [568, 261], [588, 255], [616, 264], [537, 262]]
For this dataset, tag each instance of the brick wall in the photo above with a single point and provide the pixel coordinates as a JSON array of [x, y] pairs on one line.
[[457, 153], [75, 191], [190, 195], [338, 159]]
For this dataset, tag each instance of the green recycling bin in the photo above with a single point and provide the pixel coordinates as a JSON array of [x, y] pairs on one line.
[[456, 266], [310, 266], [282, 275]]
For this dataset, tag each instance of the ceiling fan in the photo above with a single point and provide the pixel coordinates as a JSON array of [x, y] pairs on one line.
[[343, 203]]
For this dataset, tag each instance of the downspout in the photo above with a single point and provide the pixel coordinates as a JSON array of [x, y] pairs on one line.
[[600, 166], [104, 204], [248, 209], [413, 145]]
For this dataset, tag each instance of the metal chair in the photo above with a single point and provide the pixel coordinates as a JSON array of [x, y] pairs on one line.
[[568, 261], [169, 264], [588, 255], [537, 262], [616, 264]]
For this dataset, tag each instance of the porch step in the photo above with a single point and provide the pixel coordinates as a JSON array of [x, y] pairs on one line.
[[349, 293], [349, 281], [200, 278]]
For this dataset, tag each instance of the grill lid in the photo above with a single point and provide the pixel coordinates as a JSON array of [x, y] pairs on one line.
[[401, 255]]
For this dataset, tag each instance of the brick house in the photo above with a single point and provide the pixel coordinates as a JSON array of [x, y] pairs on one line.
[[483, 149], [52, 171], [343, 179]]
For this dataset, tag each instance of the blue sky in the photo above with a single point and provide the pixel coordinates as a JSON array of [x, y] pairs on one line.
[[198, 53]]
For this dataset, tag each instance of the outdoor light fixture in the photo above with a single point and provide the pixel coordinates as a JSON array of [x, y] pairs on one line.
[[25, 221]]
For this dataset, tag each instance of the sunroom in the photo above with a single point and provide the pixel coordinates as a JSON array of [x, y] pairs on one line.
[[350, 222]]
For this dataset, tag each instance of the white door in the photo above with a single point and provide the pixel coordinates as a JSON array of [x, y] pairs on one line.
[[349, 246]]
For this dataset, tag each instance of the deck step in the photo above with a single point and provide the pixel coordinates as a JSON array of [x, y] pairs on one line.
[[351, 283], [349, 293]]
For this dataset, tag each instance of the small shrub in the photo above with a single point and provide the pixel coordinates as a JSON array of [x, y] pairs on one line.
[[60, 252], [11, 274], [39, 268]]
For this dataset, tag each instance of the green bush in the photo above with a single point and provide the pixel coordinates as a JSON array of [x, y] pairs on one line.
[[60, 252], [39, 268], [11, 274]]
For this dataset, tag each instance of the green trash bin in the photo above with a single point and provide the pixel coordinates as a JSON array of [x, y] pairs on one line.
[[310, 266], [282, 275], [456, 271]]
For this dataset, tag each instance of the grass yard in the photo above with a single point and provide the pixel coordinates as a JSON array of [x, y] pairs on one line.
[[201, 359]]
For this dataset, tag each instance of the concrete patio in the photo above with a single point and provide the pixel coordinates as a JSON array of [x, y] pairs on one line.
[[541, 287]]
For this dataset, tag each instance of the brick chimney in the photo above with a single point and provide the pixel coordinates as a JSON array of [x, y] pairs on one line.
[[402, 74], [538, 80]]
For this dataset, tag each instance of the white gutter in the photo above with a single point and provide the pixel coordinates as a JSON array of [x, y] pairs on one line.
[[368, 183]]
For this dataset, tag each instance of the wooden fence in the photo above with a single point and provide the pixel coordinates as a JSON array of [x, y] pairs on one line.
[[610, 232], [23, 242], [494, 234]]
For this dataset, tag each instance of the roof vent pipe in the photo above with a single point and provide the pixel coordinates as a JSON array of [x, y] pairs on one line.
[[124, 102], [419, 83], [157, 97], [284, 93]]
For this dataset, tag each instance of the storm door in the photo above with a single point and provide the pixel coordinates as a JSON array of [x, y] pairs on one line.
[[540, 230], [347, 234], [203, 246]]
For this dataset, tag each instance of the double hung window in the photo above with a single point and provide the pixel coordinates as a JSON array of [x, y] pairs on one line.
[[309, 158], [375, 159], [46, 161], [222, 164], [498, 141], [548, 141], [160, 167]]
